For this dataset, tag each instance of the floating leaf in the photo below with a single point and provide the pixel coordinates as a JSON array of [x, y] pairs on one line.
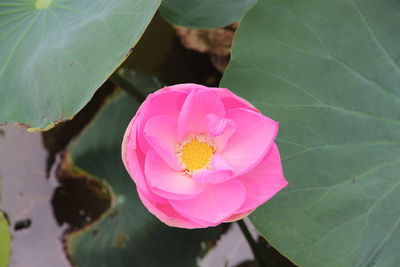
[[56, 53], [204, 13], [329, 72]]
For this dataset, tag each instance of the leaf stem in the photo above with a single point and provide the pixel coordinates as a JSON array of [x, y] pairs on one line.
[[252, 243], [127, 87]]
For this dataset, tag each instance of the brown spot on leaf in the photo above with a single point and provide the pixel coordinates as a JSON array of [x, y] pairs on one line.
[[95, 232], [22, 125], [121, 240], [113, 214]]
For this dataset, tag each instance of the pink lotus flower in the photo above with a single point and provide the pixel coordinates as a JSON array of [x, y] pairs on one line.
[[201, 156]]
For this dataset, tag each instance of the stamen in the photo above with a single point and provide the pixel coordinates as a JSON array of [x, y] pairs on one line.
[[195, 153]]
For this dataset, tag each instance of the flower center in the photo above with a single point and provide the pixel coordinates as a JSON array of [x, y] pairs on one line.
[[195, 153]]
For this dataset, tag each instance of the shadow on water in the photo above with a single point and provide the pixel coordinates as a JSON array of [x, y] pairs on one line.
[[42, 202], [78, 201]]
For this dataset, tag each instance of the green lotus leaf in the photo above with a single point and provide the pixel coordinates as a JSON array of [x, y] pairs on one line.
[[329, 72], [204, 13], [56, 53]]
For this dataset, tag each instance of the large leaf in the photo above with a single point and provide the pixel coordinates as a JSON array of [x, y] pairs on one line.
[[204, 13], [54, 54], [329, 72], [127, 234], [5, 241]]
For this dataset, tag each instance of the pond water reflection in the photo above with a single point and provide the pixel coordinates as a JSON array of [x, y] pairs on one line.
[[26, 195]]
